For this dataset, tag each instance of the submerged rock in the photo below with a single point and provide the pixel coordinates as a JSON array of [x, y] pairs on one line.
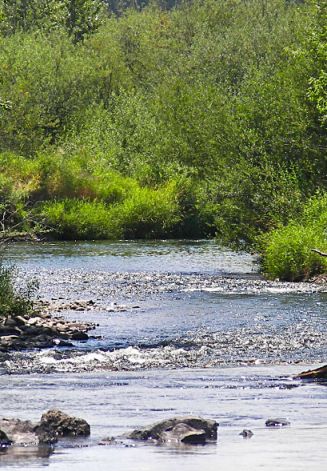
[[246, 433], [280, 422], [192, 430], [314, 375]]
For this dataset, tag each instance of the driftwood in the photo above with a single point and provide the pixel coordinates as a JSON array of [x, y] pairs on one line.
[[323, 254]]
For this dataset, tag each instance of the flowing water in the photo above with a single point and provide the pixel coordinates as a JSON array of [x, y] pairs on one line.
[[182, 328]]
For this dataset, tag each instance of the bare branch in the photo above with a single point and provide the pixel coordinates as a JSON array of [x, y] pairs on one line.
[[323, 254]]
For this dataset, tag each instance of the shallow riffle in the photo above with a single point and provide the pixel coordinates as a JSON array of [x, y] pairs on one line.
[[181, 328]]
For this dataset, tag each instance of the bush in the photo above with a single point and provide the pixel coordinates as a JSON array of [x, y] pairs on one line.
[[149, 213], [81, 220], [145, 213], [19, 180], [14, 301], [288, 251]]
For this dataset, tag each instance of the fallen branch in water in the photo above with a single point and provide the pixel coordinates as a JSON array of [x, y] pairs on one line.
[[323, 254]]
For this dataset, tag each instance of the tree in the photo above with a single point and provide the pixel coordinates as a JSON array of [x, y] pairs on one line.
[[78, 17], [28, 15], [83, 17], [318, 82]]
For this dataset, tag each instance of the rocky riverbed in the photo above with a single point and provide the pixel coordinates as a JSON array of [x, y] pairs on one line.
[[40, 330], [128, 311]]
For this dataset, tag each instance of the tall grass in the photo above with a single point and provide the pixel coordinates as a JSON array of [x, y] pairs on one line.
[[288, 251]]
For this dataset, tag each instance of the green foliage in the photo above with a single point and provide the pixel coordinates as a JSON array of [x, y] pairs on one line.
[[29, 15], [318, 82], [149, 213], [14, 301], [79, 18], [254, 200], [80, 220], [144, 213], [83, 17], [288, 251], [18, 182], [206, 118], [53, 81]]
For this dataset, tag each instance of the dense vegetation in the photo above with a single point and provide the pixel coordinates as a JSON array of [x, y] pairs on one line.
[[203, 119], [288, 250], [14, 301]]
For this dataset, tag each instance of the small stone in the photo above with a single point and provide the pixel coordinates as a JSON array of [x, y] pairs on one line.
[[79, 336], [20, 320], [4, 440], [108, 441], [279, 422], [10, 322], [246, 433]]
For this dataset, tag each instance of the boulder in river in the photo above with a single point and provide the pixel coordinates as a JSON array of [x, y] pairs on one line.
[[54, 425], [191, 430], [314, 375], [63, 425], [25, 433]]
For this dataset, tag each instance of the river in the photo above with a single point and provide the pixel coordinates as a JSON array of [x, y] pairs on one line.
[[182, 328]]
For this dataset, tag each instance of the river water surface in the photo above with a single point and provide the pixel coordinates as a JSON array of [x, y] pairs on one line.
[[182, 328]]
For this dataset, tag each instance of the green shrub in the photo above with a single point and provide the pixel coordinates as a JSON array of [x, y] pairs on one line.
[[145, 213], [149, 213], [253, 200], [19, 180], [14, 301], [287, 251], [80, 220], [288, 254]]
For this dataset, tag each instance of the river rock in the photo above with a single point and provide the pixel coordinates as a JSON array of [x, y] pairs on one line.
[[79, 336], [277, 422], [246, 433], [54, 425], [178, 429], [20, 320], [314, 375], [10, 322], [4, 440], [183, 433], [63, 425], [39, 331], [5, 331], [25, 433]]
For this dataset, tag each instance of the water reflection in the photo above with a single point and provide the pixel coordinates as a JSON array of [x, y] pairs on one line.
[[129, 256]]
